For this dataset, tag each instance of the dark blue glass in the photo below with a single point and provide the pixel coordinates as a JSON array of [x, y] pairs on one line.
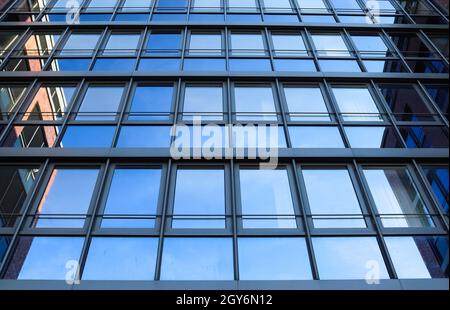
[[427, 66], [244, 18], [70, 64], [151, 102], [326, 19], [206, 17], [300, 65], [164, 43], [88, 136], [54, 18], [114, 64], [281, 18], [424, 137], [439, 93], [4, 242], [95, 17], [201, 64], [159, 64], [171, 4], [438, 178], [245, 64], [144, 136], [122, 17]]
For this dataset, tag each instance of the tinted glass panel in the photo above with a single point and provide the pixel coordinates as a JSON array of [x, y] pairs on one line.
[[397, 198], [339, 207], [330, 45], [439, 93], [132, 198], [356, 104], [419, 257], [288, 44], [151, 102], [372, 137], [273, 259], [144, 136], [80, 44], [204, 102], [15, 185], [205, 43], [164, 43], [247, 44], [197, 259], [121, 259], [254, 103], [88, 136], [120, 44], [425, 137], [306, 103], [315, 137], [266, 199], [438, 178], [199, 199], [100, 103], [60, 205], [9, 97], [45, 258], [353, 258]]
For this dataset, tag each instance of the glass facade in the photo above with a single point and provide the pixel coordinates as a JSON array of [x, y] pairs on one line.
[[348, 98]]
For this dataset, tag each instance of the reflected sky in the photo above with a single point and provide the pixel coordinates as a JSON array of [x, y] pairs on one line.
[[315, 137]]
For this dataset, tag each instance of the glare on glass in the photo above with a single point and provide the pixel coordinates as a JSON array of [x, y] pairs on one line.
[[288, 44], [203, 101], [273, 259], [330, 45], [356, 104], [311, 5], [339, 207], [132, 198], [266, 199], [254, 103], [206, 5], [80, 44], [277, 5], [197, 259], [348, 5], [45, 258], [306, 103], [100, 103], [101, 5], [121, 259], [396, 197], [120, 44], [373, 137], [349, 258], [136, 5], [315, 137], [199, 199], [62, 206], [247, 44], [205, 44], [370, 46], [242, 5]]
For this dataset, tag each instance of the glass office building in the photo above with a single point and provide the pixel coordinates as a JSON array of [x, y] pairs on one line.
[[91, 92]]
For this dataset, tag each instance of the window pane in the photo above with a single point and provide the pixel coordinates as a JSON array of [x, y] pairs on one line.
[[372, 137], [273, 259], [136, 5], [60, 205], [4, 243], [306, 103], [44, 258], [288, 44], [438, 178], [206, 5], [370, 46], [100, 103], [331, 65], [151, 103], [418, 257], [356, 104], [425, 137], [204, 102], [330, 45], [266, 199], [9, 97], [310, 5], [276, 4], [397, 198], [199, 199], [101, 5], [172, 4], [121, 259], [135, 193], [15, 185], [332, 199], [315, 137], [242, 5], [80, 44], [352, 258], [405, 102], [439, 93], [120, 44], [197, 259], [138, 136], [247, 44], [351, 5], [254, 103], [205, 43], [88, 136], [39, 44], [164, 43], [50, 103]]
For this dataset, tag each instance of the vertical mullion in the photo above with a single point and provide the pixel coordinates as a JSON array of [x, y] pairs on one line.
[[123, 106], [372, 210], [308, 237], [97, 198], [234, 219], [165, 203]]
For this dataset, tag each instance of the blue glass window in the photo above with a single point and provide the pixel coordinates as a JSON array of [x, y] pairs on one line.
[[299, 65], [114, 64], [88, 136], [438, 178], [165, 43], [306, 103], [372, 137], [315, 137], [70, 64], [159, 64], [237, 64], [152, 102], [204, 64], [328, 65], [425, 137], [144, 136], [100, 103]]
